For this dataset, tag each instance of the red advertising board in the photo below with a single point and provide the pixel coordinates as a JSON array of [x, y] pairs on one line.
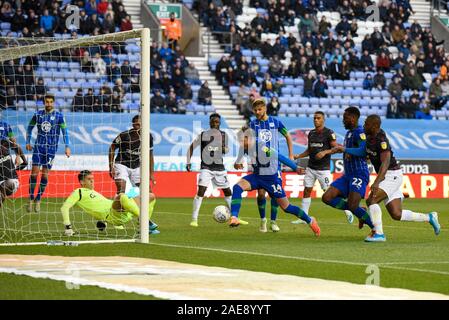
[[183, 184]]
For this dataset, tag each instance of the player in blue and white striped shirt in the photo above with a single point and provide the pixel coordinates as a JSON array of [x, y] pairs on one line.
[[49, 124], [346, 192], [264, 135]]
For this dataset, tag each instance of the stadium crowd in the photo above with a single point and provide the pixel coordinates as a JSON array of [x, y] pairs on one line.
[[324, 51], [171, 74]]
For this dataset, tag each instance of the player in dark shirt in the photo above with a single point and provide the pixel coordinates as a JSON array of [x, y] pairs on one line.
[[388, 183], [213, 144], [9, 181], [319, 139], [126, 164]]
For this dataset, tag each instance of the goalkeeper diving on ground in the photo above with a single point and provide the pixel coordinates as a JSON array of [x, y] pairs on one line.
[[117, 212]]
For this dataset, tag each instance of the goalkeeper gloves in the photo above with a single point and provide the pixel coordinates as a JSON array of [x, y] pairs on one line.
[[69, 231]]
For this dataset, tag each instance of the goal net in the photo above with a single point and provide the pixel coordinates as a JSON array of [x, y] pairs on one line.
[[99, 84]]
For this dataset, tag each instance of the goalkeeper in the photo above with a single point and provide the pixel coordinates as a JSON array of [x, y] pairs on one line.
[[117, 212]]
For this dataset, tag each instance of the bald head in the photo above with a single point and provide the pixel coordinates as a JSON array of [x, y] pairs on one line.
[[372, 124]]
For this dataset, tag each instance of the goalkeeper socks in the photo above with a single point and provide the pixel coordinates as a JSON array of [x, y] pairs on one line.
[[151, 208], [297, 211], [274, 209], [236, 200], [129, 205], [196, 207], [338, 203], [408, 215], [228, 201], [261, 203], [375, 213], [42, 187], [305, 205], [33, 181]]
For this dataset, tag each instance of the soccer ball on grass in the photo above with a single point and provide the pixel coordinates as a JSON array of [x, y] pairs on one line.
[[221, 214]]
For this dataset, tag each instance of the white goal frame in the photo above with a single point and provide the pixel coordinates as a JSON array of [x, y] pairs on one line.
[[144, 35]]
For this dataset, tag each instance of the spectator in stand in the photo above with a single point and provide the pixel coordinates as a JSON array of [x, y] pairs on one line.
[[308, 85], [108, 24], [383, 62], [116, 103], [113, 71], [273, 106], [78, 101], [48, 22], [119, 88], [102, 8], [444, 71], [186, 95], [126, 71], [410, 108], [343, 27], [241, 75], [41, 90], [178, 80], [413, 81], [393, 109], [324, 26], [275, 67], [192, 75], [395, 87], [172, 103], [267, 89], [88, 102], [242, 96], [205, 94], [436, 98], [366, 61], [379, 80], [157, 103], [126, 24], [18, 21], [221, 69], [368, 82], [320, 87], [91, 7]]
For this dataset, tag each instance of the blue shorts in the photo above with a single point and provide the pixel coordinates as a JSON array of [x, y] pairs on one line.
[[44, 159], [347, 184], [271, 184]]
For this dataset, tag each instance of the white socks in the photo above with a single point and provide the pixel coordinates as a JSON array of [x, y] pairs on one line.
[[408, 215], [305, 204], [196, 207], [375, 213], [228, 201]]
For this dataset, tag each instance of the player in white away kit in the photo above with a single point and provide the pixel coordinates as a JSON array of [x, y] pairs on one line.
[[388, 183], [214, 144], [319, 139]]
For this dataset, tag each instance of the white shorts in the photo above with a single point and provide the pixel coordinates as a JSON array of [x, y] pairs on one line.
[[15, 182], [323, 176], [123, 173], [219, 179], [392, 184]]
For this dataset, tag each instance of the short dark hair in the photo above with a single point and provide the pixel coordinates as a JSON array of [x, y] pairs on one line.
[[375, 119], [49, 96], [83, 174], [353, 111], [214, 115], [136, 118], [320, 112]]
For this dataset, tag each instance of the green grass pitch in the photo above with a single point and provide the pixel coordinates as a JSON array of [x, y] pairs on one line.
[[412, 258]]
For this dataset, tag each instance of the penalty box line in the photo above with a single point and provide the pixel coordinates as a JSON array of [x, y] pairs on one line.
[[271, 255]]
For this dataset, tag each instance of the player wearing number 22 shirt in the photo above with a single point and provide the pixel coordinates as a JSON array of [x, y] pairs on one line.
[[263, 134]]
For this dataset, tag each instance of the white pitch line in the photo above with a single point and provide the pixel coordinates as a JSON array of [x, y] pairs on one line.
[[363, 264], [288, 220]]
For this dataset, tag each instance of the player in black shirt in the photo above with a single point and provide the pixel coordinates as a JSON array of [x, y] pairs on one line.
[[319, 139], [213, 144], [126, 164], [388, 183], [9, 181]]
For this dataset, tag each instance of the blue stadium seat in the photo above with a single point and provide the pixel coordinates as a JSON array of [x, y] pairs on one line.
[[358, 84], [52, 65], [293, 100], [357, 93], [338, 83], [375, 93], [364, 102], [287, 90], [297, 91], [5, 26], [346, 93], [74, 66], [283, 100], [256, 53], [63, 66], [30, 105], [299, 82], [289, 81], [366, 94], [314, 101], [354, 102]]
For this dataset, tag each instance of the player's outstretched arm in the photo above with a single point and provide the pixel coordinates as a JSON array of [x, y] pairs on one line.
[[302, 155], [65, 211]]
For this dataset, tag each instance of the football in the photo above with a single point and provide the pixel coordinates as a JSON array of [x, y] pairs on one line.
[[221, 214]]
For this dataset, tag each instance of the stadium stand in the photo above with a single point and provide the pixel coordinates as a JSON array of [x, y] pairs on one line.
[[75, 81], [288, 40]]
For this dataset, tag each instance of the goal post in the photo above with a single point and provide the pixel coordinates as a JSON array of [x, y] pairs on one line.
[[66, 68]]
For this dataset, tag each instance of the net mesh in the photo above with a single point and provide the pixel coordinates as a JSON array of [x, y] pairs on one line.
[[96, 85]]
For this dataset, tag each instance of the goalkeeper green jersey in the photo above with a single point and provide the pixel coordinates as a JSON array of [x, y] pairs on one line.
[[90, 201]]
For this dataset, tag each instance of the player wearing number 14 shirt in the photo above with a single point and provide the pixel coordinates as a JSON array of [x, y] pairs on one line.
[[263, 133]]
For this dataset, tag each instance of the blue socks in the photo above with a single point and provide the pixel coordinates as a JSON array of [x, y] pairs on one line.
[[274, 209], [33, 181], [342, 204], [297, 211], [261, 205], [42, 187], [236, 200]]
